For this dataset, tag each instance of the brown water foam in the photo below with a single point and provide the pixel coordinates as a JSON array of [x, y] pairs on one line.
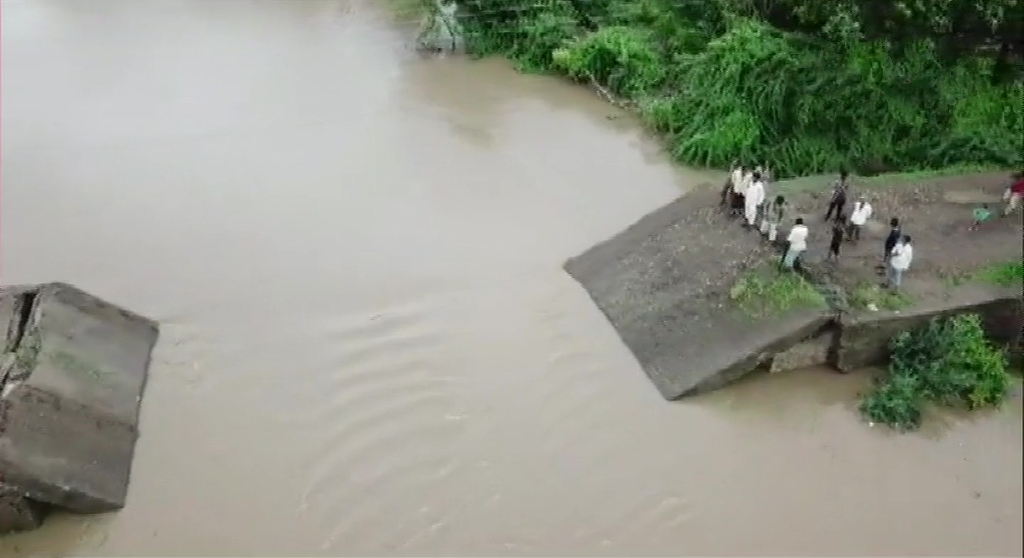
[[368, 343]]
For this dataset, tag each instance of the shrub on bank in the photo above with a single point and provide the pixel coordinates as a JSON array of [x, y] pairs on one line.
[[949, 362], [721, 83]]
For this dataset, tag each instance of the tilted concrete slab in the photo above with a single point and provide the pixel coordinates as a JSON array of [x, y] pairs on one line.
[[645, 282], [70, 406]]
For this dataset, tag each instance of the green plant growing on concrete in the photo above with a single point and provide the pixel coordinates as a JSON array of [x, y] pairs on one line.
[[766, 292], [949, 361], [866, 296]]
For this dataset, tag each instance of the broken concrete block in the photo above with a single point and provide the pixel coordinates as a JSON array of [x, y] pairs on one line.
[[865, 336], [815, 351], [70, 405], [18, 513]]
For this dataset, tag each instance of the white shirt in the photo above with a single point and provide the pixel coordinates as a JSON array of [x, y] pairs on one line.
[[737, 178], [861, 213], [797, 237], [755, 193], [744, 184], [902, 255]]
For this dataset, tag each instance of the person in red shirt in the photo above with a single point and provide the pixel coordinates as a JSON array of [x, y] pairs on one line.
[[1014, 194]]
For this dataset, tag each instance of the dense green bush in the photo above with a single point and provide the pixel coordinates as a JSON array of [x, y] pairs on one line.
[[722, 83], [622, 58], [949, 362]]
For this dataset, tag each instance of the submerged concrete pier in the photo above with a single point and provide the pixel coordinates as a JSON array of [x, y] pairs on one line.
[[72, 374]]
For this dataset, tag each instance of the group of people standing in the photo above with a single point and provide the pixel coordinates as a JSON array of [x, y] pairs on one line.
[[745, 195]]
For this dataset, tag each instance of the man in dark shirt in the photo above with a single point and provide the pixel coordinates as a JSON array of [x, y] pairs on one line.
[[838, 228], [840, 191], [895, 234]]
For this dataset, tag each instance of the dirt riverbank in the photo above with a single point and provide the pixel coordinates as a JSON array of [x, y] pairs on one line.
[[936, 213]]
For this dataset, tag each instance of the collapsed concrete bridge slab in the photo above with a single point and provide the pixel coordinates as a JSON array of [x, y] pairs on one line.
[[663, 283], [72, 375]]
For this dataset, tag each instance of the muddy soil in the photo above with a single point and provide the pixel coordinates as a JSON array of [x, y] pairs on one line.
[[937, 214]]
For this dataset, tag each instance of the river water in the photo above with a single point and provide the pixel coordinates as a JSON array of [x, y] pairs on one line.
[[368, 345]]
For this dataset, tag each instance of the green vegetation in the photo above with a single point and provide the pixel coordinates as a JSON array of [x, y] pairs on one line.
[[865, 296], [806, 86], [767, 291], [949, 362], [1004, 274], [814, 183]]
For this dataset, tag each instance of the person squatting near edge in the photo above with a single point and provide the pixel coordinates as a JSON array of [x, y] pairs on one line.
[[981, 215], [840, 191], [796, 244]]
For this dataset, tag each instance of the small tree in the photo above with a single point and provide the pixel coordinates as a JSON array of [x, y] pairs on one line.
[[949, 361]]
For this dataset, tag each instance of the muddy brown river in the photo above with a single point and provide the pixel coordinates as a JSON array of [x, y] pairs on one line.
[[368, 345]]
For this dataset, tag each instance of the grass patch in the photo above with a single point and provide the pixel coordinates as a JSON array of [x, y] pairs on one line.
[[1004, 274], [768, 291], [947, 362], [866, 296]]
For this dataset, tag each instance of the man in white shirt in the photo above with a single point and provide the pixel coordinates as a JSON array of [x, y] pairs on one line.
[[797, 240], [859, 217], [753, 199], [899, 262], [740, 185], [730, 199]]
